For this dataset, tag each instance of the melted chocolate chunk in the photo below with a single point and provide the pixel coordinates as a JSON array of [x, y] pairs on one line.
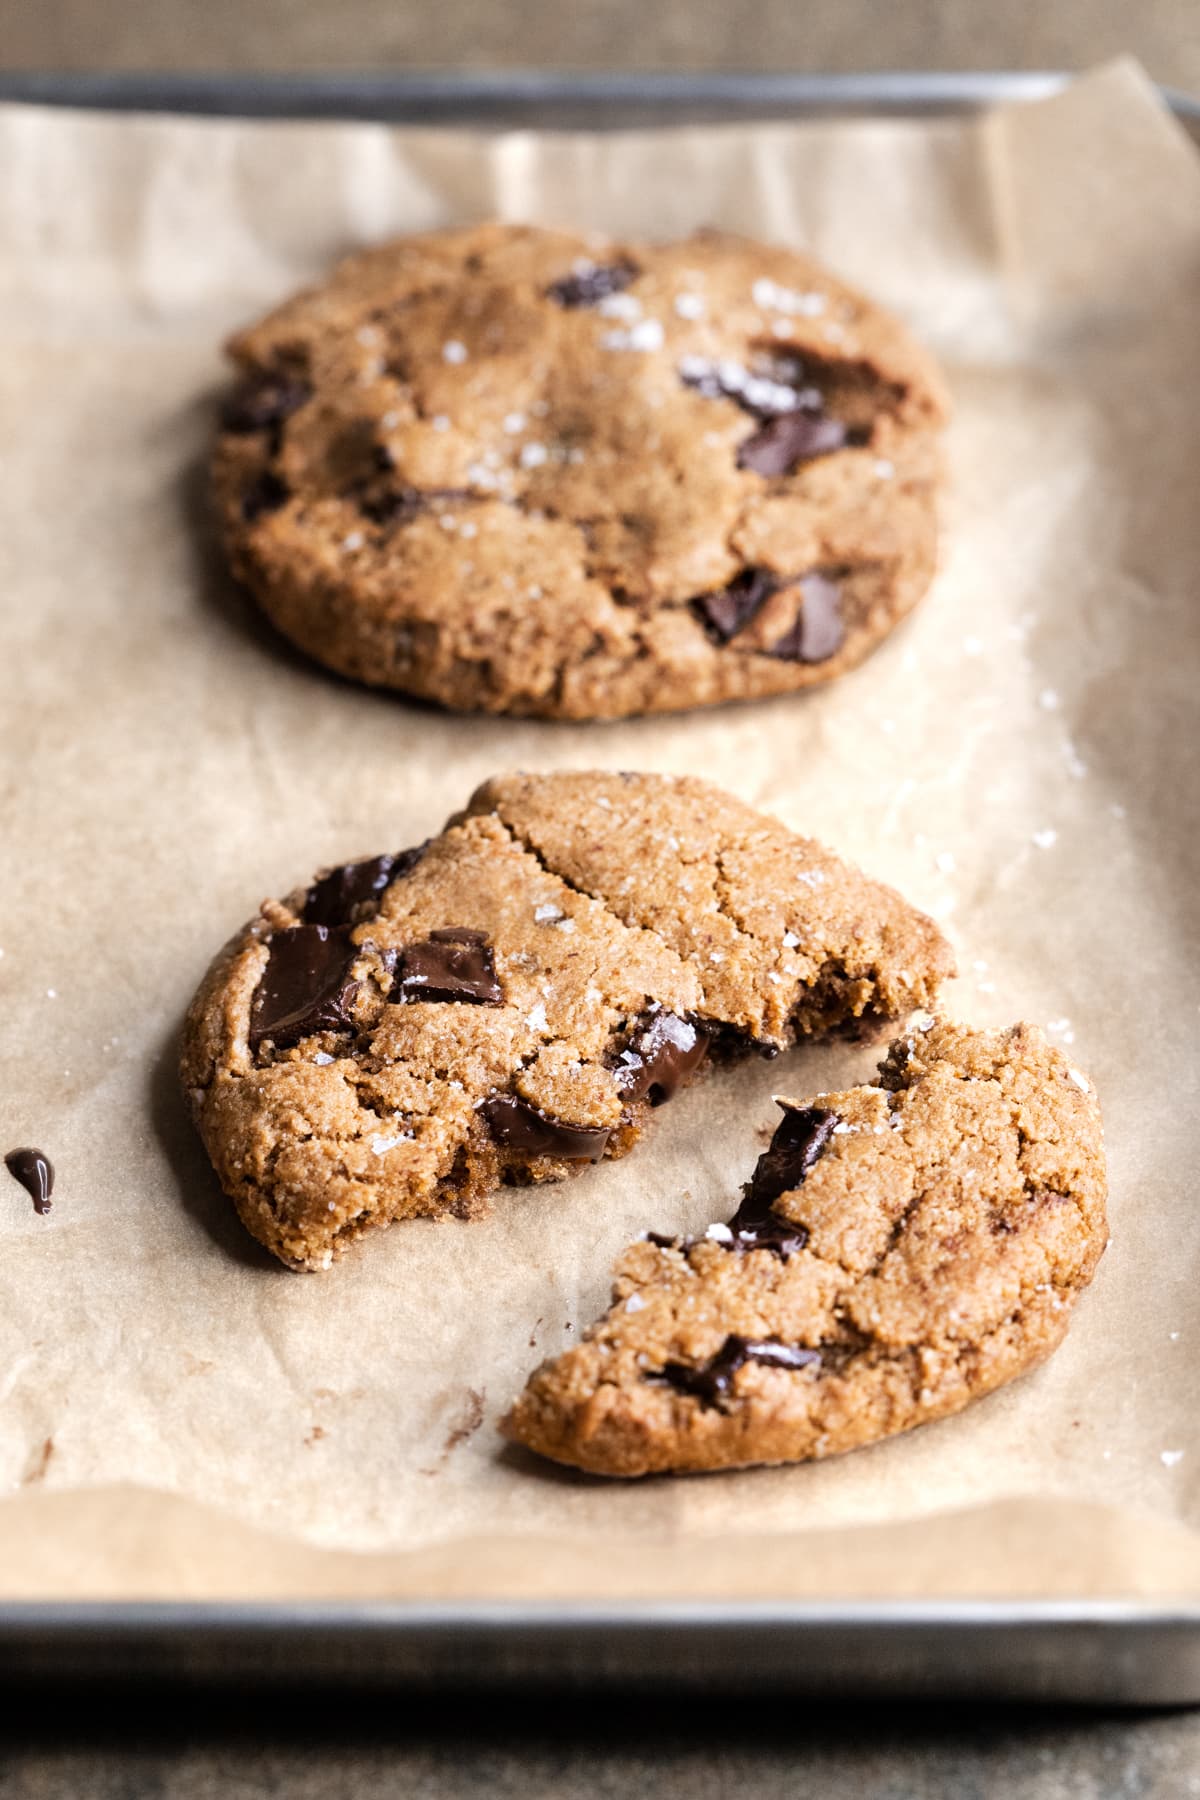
[[588, 286], [800, 1140], [453, 964], [659, 1056], [519, 1126], [730, 609], [711, 1382], [35, 1172], [265, 495], [351, 893], [818, 631], [263, 401], [305, 987], [789, 439]]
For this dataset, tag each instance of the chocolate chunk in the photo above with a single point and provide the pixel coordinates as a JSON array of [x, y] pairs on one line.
[[659, 1056], [794, 426], [710, 1382], [791, 438], [264, 400], [818, 631], [305, 987], [453, 964], [519, 1126], [351, 893], [800, 1140], [391, 505], [265, 495], [764, 393], [397, 506], [34, 1170], [730, 609], [591, 284]]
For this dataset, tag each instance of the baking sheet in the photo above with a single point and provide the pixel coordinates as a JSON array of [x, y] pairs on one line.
[[171, 762]]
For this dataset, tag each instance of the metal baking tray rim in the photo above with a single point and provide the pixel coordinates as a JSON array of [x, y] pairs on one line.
[[438, 95], [1115, 1652]]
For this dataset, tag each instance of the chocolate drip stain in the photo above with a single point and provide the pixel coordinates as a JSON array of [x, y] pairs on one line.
[[454, 964], [350, 893], [588, 286], [35, 1172], [519, 1126], [659, 1057], [306, 986], [712, 1381]]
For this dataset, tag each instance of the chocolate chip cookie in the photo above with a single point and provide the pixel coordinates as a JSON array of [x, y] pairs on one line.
[[900, 1250], [509, 1001], [518, 471]]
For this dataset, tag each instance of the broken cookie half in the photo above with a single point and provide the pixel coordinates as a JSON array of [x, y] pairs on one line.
[[901, 1250], [509, 1001]]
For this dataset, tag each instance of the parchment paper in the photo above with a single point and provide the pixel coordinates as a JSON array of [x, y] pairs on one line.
[[177, 1415]]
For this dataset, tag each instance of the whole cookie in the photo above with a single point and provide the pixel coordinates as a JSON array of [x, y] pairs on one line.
[[519, 471], [900, 1251], [508, 1001]]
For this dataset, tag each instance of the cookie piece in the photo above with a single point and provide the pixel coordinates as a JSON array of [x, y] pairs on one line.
[[518, 471], [900, 1251], [509, 1001]]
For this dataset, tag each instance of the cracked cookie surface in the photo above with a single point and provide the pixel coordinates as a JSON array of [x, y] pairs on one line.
[[901, 1250], [514, 470], [509, 1001]]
